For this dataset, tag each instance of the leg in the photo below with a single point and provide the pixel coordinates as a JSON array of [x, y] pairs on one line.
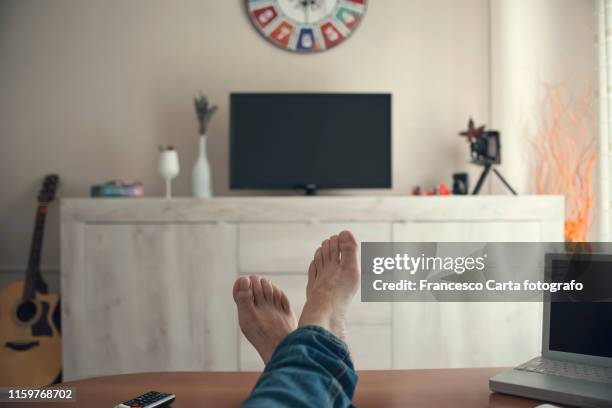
[[504, 181], [482, 178], [312, 367]]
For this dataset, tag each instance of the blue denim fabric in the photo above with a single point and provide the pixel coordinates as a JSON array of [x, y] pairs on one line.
[[310, 368]]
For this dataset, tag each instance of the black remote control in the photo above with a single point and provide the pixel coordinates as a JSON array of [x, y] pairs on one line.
[[149, 400]]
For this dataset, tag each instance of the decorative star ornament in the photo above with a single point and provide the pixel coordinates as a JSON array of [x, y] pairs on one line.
[[473, 133]]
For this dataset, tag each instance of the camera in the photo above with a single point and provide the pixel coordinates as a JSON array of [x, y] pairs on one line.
[[486, 149]]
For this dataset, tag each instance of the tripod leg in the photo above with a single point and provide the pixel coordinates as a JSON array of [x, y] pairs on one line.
[[481, 180], [504, 181]]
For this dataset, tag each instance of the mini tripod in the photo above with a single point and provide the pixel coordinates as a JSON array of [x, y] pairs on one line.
[[488, 167]]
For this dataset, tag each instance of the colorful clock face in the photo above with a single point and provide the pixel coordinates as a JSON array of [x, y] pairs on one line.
[[306, 26]]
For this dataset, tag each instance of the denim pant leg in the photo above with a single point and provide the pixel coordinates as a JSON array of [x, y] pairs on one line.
[[310, 368]]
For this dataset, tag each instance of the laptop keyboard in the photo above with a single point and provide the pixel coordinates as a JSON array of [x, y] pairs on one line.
[[571, 370]]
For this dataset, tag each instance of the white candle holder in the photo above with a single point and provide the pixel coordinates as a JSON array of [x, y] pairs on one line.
[[168, 167]]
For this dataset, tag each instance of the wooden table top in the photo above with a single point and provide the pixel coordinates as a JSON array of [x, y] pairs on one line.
[[392, 388]]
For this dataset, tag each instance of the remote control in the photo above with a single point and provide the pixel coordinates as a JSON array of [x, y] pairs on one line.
[[149, 400]]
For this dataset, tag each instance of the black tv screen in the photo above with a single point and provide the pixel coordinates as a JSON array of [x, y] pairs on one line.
[[288, 141]]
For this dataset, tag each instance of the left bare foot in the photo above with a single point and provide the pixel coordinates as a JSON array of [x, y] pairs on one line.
[[264, 314]]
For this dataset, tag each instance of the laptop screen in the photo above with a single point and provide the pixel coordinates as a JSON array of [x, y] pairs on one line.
[[582, 327]]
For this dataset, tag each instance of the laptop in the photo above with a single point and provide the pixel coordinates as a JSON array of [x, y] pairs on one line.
[[575, 367]]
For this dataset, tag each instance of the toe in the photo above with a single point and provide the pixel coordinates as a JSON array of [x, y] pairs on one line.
[[348, 247], [257, 290], [326, 251], [276, 296], [334, 245], [242, 284], [243, 293], [318, 259], [285, 302], [266, 287], [347, 238]]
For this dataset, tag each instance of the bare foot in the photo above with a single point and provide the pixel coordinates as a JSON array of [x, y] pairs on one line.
[[333, 279], [264, 314]]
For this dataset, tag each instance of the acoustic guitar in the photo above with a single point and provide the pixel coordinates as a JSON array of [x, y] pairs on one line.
[[30, 344]]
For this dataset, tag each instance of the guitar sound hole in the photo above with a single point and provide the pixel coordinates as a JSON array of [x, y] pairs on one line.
[[26, 311]]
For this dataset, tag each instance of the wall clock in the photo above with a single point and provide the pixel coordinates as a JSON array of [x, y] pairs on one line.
[[306, 26]]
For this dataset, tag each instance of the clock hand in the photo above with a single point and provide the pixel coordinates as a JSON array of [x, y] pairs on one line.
[[308, 6], [305, 4]]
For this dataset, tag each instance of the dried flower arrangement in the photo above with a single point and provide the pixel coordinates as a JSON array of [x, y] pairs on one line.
[[204, 112], [564, 156]]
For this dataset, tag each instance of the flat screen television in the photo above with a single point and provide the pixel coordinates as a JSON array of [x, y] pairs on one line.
[[310, 141]]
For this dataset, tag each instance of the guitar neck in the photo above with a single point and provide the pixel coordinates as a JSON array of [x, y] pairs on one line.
[[34, 281]]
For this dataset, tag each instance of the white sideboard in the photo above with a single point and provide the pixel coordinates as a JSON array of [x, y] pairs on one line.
[[146, 283]]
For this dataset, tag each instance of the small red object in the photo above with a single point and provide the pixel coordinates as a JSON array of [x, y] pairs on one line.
[[443, 190]]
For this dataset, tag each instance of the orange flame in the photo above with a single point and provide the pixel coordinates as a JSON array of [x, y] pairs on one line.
[[564, 156]]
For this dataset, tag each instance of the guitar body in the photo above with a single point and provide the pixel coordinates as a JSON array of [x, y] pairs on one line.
[[30, 344]]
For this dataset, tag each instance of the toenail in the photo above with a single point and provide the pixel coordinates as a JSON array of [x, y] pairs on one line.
[[244, 283]]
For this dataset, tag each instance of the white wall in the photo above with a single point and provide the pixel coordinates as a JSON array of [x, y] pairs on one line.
[[534, 44], [90, 88]]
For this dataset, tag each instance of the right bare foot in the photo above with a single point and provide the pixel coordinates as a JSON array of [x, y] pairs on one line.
[[333, 280]]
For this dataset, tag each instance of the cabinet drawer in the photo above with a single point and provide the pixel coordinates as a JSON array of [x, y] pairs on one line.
[[459, 335], [169, 283], [289, 247]]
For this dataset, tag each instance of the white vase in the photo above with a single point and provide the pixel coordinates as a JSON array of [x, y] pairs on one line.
[[202, 187]]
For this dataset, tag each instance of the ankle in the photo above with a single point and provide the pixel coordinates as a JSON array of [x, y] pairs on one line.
[[315, 315]]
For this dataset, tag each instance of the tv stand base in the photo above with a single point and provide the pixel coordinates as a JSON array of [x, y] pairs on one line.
[[309, 189]]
